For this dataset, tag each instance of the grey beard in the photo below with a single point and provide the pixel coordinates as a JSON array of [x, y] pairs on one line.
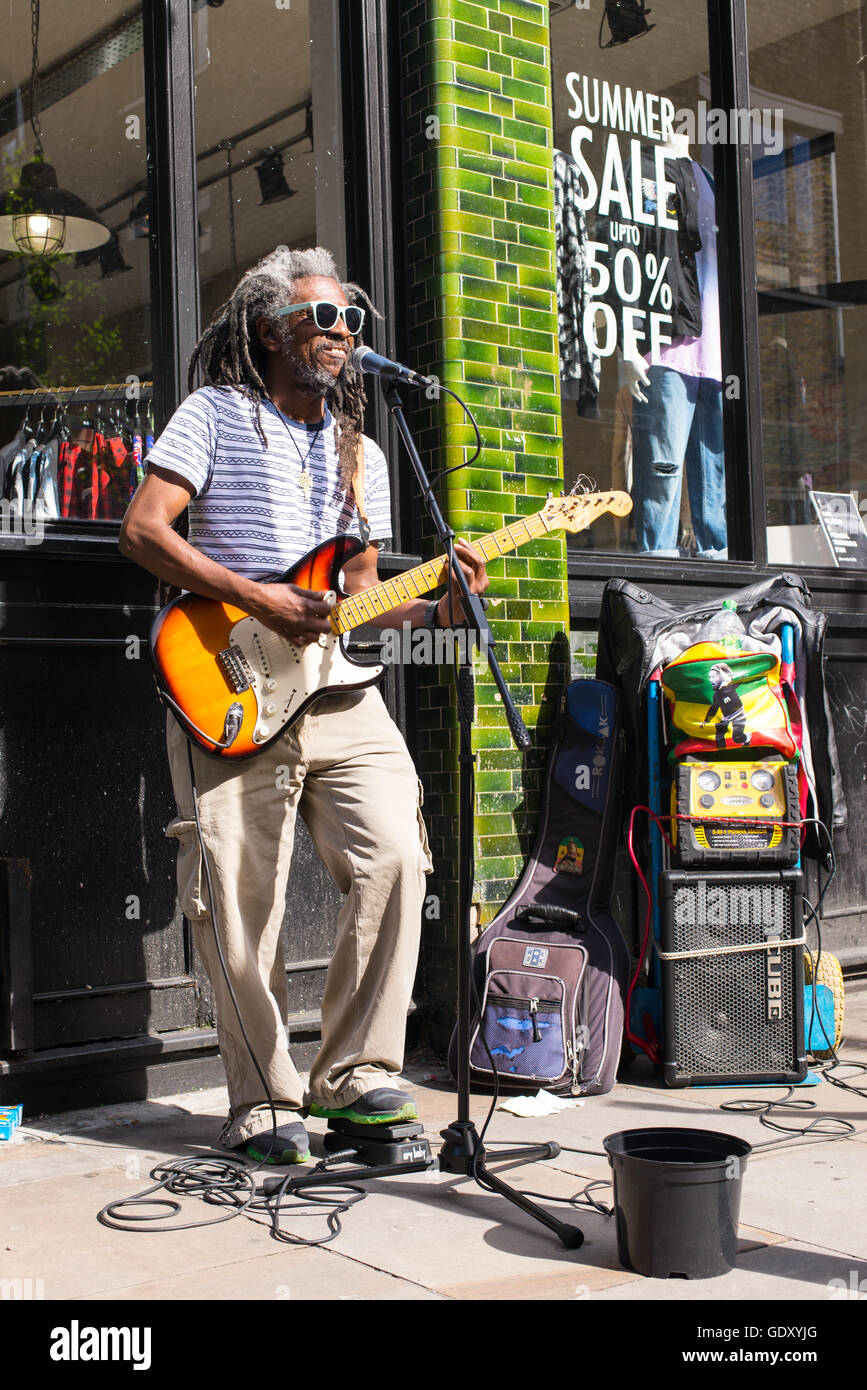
[[315, 381]]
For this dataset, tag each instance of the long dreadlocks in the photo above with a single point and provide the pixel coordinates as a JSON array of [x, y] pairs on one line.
[[229, 352]]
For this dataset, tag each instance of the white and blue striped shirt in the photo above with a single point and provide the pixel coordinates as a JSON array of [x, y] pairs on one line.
[[250, 512]]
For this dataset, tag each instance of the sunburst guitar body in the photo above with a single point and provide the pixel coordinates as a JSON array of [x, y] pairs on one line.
[[236, 686]]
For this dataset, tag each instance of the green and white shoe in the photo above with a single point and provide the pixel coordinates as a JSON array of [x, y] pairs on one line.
[[383, 1106]]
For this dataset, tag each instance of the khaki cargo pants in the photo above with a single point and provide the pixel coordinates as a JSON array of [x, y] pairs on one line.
[[345, 767]]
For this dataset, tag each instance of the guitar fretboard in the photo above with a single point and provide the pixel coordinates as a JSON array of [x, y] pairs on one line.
[[372, 603]]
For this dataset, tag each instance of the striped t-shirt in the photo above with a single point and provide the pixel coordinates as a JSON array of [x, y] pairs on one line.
[[250, 512]]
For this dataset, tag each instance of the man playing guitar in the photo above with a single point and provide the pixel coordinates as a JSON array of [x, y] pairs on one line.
[[264, 456]]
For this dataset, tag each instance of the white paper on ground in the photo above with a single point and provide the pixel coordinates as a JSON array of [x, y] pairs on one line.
[[542, 1103]]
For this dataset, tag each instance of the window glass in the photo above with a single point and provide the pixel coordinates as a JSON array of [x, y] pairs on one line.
[[76, 365], [268, 151], [810, 199], [642, 367]]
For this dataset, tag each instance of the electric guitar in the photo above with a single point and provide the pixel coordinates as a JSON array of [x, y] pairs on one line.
[[236, 685]]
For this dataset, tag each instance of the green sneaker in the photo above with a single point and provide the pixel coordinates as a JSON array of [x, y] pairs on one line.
[[287, 1144], [381, 1107]]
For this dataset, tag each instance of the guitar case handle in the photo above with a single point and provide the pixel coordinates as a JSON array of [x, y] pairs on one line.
[[549, 912]]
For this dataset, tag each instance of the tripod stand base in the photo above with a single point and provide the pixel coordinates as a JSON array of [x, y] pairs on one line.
[[463, 1153]]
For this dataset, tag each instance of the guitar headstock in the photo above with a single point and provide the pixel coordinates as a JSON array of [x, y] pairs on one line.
[[577, 511]]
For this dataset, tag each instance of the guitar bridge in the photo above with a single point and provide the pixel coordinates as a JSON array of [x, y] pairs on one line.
[[233, 664]]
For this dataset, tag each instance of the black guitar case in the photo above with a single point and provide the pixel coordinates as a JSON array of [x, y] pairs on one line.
[[551, 971]]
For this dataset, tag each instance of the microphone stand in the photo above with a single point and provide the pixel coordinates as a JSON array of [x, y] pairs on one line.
[[463, 1150]]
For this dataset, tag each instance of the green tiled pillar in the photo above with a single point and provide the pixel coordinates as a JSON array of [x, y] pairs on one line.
[[482, 256]]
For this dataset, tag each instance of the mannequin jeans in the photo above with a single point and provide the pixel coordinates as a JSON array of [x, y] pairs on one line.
[[679, 429]]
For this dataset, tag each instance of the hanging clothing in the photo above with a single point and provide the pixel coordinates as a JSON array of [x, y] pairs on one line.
[[700, 356], [674, 248], [45, 503], [579, 365]]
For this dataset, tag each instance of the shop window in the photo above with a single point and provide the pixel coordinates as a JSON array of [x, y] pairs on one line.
[[270, 163], [76, 364], [644, 370], [809, 196]]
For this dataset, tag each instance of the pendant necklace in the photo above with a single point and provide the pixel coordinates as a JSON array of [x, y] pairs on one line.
[[305, 480]]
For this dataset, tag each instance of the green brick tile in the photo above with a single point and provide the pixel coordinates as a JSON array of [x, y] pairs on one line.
[[537, 236], [480, 330], [463, 140], [503, 106], [465, 222], [522, 49], [533, 114], [479, 204], [538, 258], [501, 63], [467, 11], [478, 38], [535, 153], [484, 247], [504, 149], [498, 22], [541, 589], [481, 163], [469, 118], [503, 229], [522, 90], [520, 214], [532, 11]]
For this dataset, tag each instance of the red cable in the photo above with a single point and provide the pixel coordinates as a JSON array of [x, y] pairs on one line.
[[652, 1048]]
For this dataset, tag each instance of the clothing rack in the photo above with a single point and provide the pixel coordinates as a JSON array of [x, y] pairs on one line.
[[63, 395]]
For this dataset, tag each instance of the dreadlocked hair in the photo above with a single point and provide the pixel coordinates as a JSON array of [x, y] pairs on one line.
[[229, 353]]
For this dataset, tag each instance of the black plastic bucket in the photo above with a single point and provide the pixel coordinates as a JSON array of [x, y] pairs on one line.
[[677, 1197]]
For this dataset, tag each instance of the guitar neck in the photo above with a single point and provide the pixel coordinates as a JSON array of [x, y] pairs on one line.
[[373, 603]]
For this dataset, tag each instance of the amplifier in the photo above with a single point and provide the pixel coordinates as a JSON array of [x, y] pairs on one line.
[[732, 979], [741, 812]]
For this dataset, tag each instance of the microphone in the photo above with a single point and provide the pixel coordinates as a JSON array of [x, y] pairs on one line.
[[364, 359]]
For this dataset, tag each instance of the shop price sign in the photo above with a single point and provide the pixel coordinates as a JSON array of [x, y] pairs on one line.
[[843, 527], [630, 294]]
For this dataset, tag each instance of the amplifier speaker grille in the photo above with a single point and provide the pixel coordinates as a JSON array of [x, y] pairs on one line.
[[737, 1016]]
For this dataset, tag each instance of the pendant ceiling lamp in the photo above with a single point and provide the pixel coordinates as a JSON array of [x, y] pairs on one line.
[[37, 217], [272, 180]]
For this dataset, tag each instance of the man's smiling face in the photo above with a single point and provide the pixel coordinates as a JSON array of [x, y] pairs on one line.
[[315, 358]]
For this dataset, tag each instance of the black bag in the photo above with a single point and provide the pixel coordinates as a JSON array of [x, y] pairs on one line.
[[552, 968]]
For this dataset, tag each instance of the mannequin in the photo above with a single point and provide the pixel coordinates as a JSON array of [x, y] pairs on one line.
[[634, 366]]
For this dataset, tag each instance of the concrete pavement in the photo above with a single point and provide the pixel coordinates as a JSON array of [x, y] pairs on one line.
[[433, 1236]]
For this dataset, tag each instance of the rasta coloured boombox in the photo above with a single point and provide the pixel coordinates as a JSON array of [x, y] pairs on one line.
[[735, 812]]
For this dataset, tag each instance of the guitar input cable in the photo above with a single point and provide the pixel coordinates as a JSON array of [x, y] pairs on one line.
[[221, 1180]]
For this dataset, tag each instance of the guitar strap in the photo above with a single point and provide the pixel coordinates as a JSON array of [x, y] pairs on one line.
[[358, 493]]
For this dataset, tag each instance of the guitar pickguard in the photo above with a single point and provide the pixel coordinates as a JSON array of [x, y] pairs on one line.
[[284, 678]]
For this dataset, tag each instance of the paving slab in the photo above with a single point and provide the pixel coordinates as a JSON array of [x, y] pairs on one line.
[[786, 1272], [296, 1275], [35, 1161], [60, 1241]]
